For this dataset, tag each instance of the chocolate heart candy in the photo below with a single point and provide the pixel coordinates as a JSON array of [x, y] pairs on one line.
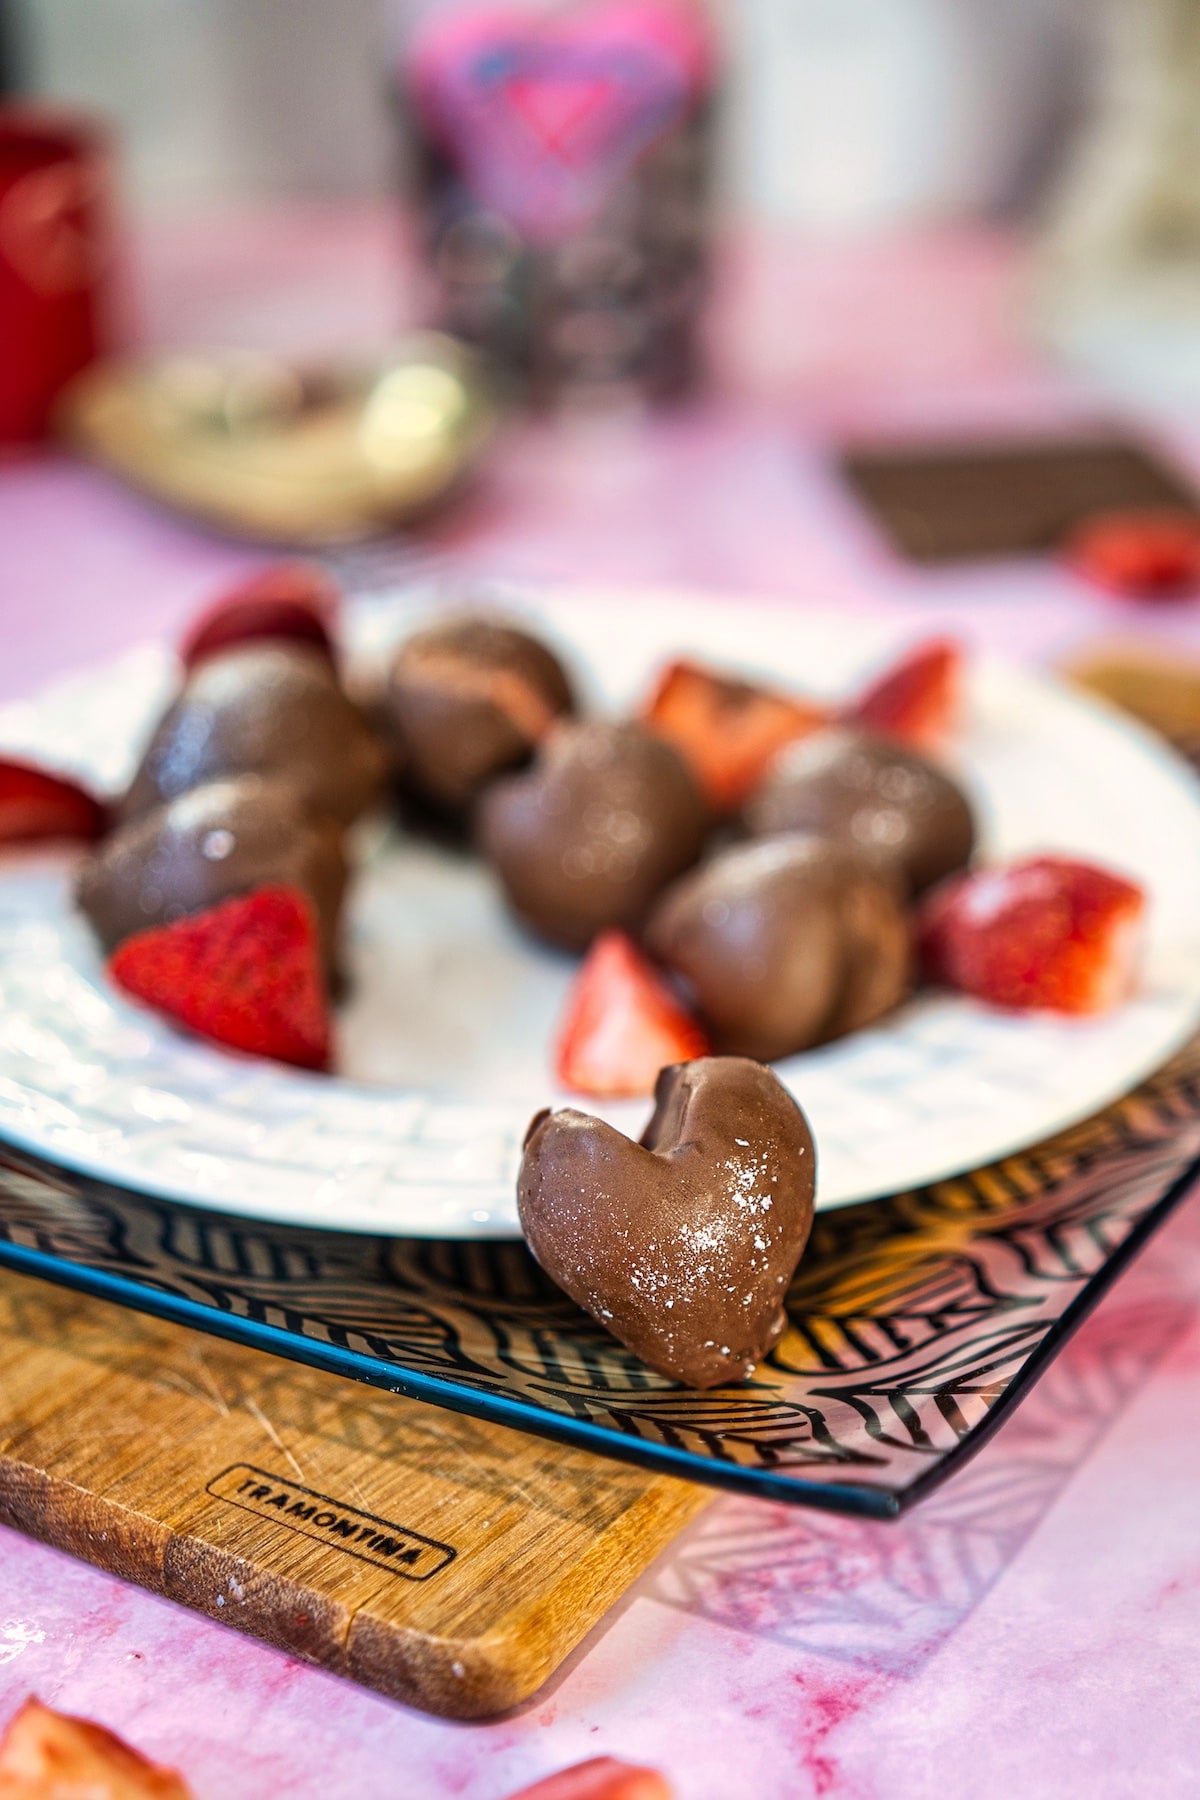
[[874, 794], [683, 1245], [785, 943], [587, 837], [467, 699], [263, 709]]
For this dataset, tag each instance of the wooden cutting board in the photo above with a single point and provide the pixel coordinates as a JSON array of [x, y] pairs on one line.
[[445, 1561]]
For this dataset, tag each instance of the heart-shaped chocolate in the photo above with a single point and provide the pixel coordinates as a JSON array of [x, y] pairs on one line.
[[588, 836], [545, 115], [683, 1245], [785, 943], [876, 795]]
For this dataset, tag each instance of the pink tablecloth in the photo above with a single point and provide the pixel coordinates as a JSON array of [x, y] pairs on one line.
[[1034, 1628]]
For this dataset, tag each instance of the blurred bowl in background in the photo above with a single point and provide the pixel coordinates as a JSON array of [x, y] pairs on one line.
[[284, 453]]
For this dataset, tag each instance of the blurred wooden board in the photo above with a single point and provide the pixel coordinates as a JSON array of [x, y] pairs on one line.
[[446, 1561]]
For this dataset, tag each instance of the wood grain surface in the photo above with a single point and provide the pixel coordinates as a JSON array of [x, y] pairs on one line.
[[445, 1561]]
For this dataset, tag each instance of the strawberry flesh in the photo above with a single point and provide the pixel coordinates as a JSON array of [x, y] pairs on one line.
[[917, 700], [600, 1778], [48, 1755], [35, 805], [727, 731], [293, 601], [245, 973], [1048, 934], [623, 1024], [1148, 555]]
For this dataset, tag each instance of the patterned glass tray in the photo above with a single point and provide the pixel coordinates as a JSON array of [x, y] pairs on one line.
[[917, 1322]]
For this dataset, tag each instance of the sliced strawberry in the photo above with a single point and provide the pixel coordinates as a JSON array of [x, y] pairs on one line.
[[601, 1778], [246, 973], [36, 805], [622, 1024], [917, 700], [294, 601], [1048, 933], [1152, 554], [727, 731], [48, 1755]]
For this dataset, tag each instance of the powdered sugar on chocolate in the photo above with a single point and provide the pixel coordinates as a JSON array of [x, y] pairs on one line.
[[682, 1245]]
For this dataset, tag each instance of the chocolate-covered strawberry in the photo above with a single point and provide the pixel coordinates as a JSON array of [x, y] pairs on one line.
[[466, 700], [872, 793], [684, 1245], [263, 708], [226, 838], [591, 833], [785, 943]]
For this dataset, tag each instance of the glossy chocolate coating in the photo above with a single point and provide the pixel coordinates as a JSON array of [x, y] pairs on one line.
[[467, 700], [683, 1246], [874, 794], [263, 709], [593, 831], [785, 943], [225, 838]]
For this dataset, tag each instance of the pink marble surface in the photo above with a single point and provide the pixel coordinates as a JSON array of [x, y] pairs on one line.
[[1033, 1628]]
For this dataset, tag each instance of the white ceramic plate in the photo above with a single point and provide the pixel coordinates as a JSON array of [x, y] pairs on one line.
[[445, 1046]]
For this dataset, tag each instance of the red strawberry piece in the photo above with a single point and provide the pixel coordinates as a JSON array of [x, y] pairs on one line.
[[47, 1753], [1147, 555], [294, 601], [622, 1024], [1048, 933], [246, 973], [36, 805], [601, 1778], [727, 731], [917, 700]]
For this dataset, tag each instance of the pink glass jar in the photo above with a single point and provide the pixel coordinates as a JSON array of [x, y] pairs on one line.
[[561, 154]]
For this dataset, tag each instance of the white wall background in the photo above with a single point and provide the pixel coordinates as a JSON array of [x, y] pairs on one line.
[[224, 99], [864, 112], [842, 113]]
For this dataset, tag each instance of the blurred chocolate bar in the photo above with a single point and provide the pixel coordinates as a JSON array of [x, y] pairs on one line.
[[944, 503]]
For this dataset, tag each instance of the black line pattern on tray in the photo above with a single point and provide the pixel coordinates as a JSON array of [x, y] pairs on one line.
[[912, 1318]]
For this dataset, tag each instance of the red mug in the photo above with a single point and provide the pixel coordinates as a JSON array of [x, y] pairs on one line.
[[55, 256]]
